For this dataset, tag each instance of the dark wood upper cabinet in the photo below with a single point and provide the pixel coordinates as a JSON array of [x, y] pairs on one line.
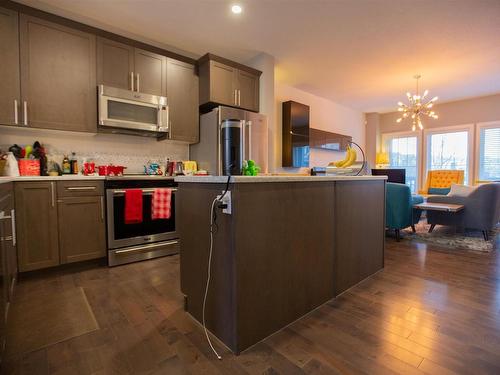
[[225, 82], [126, 67], [150, 73], [81, 228], [295, 134], [222, 84], [115, 64], [182, 93], [248, 94], [36, 223], [328, 141], [10, 94], [58, 76]]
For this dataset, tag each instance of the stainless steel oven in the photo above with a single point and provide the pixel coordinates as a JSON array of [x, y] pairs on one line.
[[148, 239], [131, 112]]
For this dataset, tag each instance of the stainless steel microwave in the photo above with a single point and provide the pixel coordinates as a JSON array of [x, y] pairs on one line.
[[130, 112]]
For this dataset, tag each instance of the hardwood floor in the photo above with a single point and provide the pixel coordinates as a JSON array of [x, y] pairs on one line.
[[430, 310]]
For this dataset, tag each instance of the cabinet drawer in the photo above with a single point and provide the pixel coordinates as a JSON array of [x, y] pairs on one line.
[[79, 188]]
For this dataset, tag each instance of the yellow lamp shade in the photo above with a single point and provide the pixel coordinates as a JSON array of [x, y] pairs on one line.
[[382, 158]]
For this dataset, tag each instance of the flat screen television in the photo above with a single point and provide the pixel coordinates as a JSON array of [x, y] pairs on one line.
[[397, 175]]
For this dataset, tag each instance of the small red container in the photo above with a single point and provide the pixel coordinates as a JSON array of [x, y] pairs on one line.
[[28, 167], [111, 170]]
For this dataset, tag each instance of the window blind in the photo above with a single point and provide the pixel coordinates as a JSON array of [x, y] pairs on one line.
[[489, 154]]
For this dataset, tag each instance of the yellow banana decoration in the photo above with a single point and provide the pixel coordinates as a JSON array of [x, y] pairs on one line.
[[340, 163], [351, 159]]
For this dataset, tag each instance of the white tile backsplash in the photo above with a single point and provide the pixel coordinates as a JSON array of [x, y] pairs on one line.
[[130, 151]]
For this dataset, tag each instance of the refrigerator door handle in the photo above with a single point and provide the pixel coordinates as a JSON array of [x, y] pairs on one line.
[[249, 125], [243, 150]]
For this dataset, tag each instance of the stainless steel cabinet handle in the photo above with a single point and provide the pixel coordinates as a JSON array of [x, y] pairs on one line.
[[16, 115], [25, 106], [13, 223], [102, 208], [81, 188], [144, 191], [239, 97], [137, 82], [235, 98], [132, 81], [52, 192]]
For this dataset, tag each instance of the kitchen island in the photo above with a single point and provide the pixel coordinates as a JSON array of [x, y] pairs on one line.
[[289, 245]]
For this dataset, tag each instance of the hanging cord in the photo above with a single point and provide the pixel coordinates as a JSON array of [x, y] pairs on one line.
[[364, 158], [213, 229]]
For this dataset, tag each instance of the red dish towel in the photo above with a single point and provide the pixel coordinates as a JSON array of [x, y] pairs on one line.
[[133, 206], [160, 204]]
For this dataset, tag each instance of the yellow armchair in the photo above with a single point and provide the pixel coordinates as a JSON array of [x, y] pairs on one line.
[[442, 179]]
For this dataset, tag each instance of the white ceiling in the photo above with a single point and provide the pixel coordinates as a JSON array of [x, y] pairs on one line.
[[361, 53]]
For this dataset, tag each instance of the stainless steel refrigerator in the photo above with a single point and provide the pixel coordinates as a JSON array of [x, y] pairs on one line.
[[229, 136]]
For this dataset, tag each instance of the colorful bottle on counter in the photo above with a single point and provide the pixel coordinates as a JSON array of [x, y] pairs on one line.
[[66, 165], [74, 164]]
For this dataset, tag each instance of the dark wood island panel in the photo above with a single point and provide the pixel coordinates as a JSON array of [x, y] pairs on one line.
[[281, 253]]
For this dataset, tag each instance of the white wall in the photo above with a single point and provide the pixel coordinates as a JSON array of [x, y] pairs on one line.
[[265, 63], [324, 115]]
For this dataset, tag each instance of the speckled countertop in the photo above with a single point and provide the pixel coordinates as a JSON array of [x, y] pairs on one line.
[[75, 177], [255, 179]]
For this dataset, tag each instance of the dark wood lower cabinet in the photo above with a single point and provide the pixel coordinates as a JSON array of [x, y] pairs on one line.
[[8, 256], [81, 228], [359, 232], [287, 248], [54, 231], [37, 226]]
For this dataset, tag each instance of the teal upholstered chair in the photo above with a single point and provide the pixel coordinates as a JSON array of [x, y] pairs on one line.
[[399, 213]]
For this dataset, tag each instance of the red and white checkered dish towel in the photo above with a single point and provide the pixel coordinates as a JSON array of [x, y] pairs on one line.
[[160, 204]]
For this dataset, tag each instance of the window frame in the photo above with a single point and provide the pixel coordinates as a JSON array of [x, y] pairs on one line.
[[471, 149], [406, 134], [477, 145]]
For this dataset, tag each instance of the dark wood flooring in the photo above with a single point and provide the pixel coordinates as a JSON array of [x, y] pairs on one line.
[[430, 310]]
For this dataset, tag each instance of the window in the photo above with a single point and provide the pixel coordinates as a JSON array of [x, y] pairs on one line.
[[403, 153], [489, 153], [449, 149]]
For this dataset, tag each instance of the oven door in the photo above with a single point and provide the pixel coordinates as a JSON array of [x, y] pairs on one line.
[[149, 231], [131, 110]]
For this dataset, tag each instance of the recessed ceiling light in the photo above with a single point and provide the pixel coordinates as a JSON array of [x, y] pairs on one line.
[[236, 9]]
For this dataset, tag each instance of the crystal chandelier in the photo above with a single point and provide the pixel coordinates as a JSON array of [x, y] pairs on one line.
[[417, 107]]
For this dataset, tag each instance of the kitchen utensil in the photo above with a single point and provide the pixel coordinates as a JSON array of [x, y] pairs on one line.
[[179, 168]]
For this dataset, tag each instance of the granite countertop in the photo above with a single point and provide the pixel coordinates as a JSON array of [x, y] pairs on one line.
[[254, 179], [78, 177], [75, 177]]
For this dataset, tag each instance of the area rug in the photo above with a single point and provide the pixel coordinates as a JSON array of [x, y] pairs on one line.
[[39, 322], [451, 237]]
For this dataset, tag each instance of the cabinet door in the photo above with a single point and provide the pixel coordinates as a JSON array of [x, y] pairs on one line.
[[150, 73], [58, 68], [81, 228], [115, 64], [222, 84], [248, 86], [36, 224], [182, 91], [9, 73], [3, 287]]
